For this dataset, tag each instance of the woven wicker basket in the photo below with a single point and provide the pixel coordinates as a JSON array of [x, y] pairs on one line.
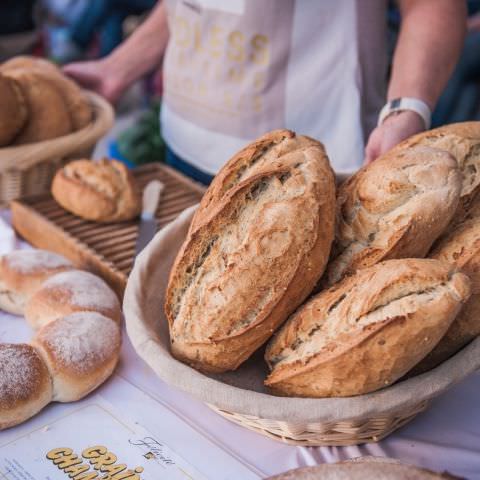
[[241, 396], [29, 169]]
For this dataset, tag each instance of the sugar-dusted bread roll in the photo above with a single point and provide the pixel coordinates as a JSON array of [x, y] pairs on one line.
[[22, 272], [461, 248], [244, 269], [462, 140], [79, 109], [81, 351], [367, 331], [394, 207], [25, 384], [69, 292], [363, 471], [13, 111], [103, 191], [48, 116]]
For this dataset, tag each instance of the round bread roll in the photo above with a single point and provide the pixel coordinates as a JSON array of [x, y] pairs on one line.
[[25, 384], [75, 100], [103, 191], [48, 116], [22, 272], [81, 351], [13, 113], [362, 470], [69, 292]]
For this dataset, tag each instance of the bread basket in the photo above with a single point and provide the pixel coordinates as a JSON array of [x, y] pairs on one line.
[[29, 169], [241, 397]]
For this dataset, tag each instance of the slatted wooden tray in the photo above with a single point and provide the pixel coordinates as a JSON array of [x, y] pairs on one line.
[[106, 249]]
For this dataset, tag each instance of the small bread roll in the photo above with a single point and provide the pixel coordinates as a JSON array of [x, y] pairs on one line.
[[103, 191], [13, 111], [22, 272], [48, 116], [25, 384], [69, 292], [367, 331], [75, 100], [81, 351]]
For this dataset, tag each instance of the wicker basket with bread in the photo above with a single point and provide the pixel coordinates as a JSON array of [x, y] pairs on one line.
[[361, 298]]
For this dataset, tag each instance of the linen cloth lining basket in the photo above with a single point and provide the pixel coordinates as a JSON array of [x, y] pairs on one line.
[[241, 397]]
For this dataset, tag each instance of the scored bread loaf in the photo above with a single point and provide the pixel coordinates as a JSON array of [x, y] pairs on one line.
[[21, 274], [394, 207], [48, 116], [70, 292], [75, 100], [462, 140], [245, 268], [25, 384], [367, 331], [13, 111], [460, 247], [103, 191], [80, 350]]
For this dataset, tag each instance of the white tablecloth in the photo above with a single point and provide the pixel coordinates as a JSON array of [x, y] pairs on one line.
[[445, 437]]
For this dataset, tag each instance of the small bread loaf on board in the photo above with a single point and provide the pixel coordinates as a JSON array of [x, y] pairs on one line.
[[13, 111], [25, 384], [395, 207], [243, 269], [81, 351], [103, 191], [69, 292], [21, 274], [367, 331]]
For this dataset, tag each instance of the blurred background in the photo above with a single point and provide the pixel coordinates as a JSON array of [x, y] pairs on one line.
[[72, 30]]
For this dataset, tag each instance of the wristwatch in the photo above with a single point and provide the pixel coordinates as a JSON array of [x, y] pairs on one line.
[[406, 103]]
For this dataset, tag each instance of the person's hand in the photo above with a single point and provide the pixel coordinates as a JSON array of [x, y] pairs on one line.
[[393, 130], [101, 76]]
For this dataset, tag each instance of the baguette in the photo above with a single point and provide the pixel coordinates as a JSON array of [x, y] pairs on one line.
[[245, 268], [367, 331], [394, 207]]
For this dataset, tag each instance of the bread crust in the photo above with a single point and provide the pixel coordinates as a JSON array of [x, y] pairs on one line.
[[25, 384], [70, 292], [394, 207], [265, 247], [47, 116], [367, 331], [13, 113], [103, 191], [21, 274], [79, 109]]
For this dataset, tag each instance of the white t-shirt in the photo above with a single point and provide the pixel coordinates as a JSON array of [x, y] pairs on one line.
[[236, 69]]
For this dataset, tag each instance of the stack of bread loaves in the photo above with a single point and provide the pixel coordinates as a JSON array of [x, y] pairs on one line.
[[259, 244], [38, 102], [77, 341]]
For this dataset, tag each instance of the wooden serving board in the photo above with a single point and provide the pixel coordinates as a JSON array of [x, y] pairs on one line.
[[105, 249]]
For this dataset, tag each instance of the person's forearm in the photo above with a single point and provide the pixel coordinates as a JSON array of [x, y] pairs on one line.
[[144, 49], [429, 44]]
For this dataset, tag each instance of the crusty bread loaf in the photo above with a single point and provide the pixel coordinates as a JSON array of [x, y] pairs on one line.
[[462, 140], [13, 111], [460, 247], [75, 100], [362, 471], [25, 384], [243, 270], [367, 331], [394, 207], [48, 116], [103, 191], [81, 351], [22, 272], [70, 292]]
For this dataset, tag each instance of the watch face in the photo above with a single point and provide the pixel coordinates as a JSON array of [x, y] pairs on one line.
[[395, 103]]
